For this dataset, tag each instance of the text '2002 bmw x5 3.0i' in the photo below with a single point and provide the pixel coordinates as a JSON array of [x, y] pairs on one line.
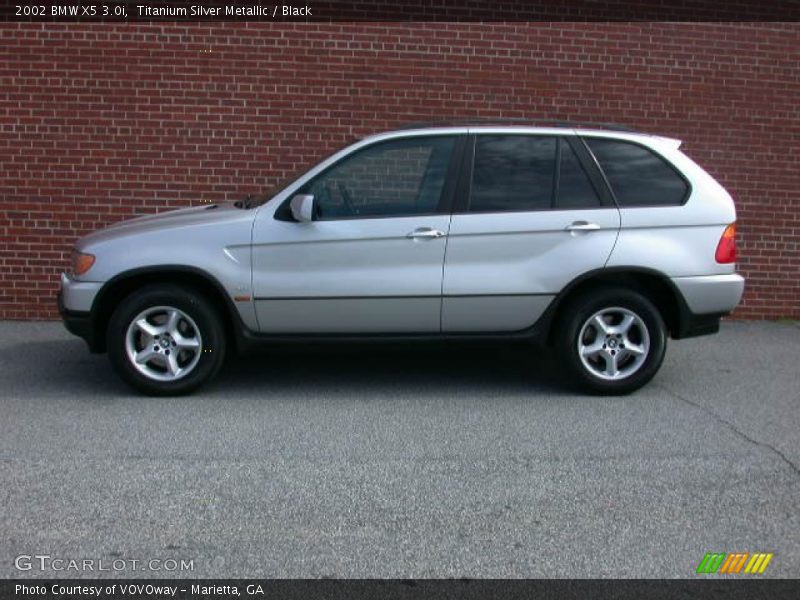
[[598, 242]]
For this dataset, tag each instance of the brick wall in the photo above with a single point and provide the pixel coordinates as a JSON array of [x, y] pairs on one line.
[[100, 122]]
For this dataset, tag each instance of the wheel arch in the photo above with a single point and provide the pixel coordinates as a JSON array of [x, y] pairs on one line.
[[654, 285], [123, 284]]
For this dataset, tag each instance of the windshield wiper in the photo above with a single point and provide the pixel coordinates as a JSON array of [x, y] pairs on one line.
[[246, 203]]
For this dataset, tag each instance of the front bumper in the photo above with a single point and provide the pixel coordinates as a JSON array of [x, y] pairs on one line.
[[77, 323], [77, 295], [75, 300]]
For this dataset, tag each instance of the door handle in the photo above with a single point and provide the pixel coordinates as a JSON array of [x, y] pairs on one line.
[[425, 233], [582, 226]]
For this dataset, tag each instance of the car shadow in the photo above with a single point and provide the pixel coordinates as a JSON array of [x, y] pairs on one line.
[[429, 368], [327, 369]]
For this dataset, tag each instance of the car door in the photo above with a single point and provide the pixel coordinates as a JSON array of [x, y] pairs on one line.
[[533, 215], [371, 259]]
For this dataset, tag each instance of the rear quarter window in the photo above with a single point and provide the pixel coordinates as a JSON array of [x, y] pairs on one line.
[[637, 175]]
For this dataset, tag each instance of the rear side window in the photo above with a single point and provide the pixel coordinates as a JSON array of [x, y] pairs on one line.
[[638, 177], [517, 173], [512, 173], [575, 190]]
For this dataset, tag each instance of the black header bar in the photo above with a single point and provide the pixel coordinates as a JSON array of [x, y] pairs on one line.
[[400, 10]]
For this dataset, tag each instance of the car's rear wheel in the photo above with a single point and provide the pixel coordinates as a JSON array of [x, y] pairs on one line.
[[166, 340], [611, 341]]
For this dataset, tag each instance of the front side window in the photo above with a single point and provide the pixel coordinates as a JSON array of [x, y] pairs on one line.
[[393, 178], [638, 177]]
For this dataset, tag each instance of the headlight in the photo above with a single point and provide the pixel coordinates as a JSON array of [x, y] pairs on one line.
[[81, 262]]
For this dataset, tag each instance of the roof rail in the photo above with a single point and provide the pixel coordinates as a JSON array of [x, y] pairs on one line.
[[517, 121]]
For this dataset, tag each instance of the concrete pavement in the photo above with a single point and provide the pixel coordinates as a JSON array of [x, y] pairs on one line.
[[407, 462]]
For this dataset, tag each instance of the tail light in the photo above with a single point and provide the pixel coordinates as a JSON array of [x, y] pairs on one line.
[[726, 249]]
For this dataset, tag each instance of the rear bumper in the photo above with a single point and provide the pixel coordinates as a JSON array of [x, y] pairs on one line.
[[711, 294], [706, 300]]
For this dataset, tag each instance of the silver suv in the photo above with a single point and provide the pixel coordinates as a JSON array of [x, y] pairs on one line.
[[597, 241]]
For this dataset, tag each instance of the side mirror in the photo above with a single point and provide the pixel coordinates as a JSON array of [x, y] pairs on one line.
[[302, 206]]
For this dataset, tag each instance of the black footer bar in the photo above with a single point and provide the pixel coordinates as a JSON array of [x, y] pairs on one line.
[[389, 589]]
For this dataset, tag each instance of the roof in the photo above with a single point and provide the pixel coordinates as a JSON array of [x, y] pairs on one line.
[[518, 122], [542, 126]]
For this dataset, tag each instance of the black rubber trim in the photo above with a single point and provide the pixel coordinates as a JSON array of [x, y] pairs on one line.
[[253, 339], [401, 297], [693, 325], [556, 174], [233, 313], [689, 323], [464, 185], [83, 324], [596, 176], [447, 199]]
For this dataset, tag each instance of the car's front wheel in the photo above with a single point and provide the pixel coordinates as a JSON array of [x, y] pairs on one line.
[[166, 340], [611, 341]]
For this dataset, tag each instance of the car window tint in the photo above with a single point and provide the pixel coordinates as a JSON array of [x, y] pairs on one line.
[[512, 173], [394, 178], [638, 176], [575, 190]]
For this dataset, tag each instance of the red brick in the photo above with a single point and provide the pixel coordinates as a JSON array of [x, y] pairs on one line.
[[102, 122]]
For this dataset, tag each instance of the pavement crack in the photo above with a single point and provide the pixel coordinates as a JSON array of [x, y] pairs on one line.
[[733, 428]]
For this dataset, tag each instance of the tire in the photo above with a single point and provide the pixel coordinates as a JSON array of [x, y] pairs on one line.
[[597, 354], [166, 340]]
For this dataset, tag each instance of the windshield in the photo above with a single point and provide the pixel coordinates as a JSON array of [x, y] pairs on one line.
[[254, 200]]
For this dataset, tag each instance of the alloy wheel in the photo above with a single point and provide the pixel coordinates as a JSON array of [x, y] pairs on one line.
[[613, 343], [163, 343]]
